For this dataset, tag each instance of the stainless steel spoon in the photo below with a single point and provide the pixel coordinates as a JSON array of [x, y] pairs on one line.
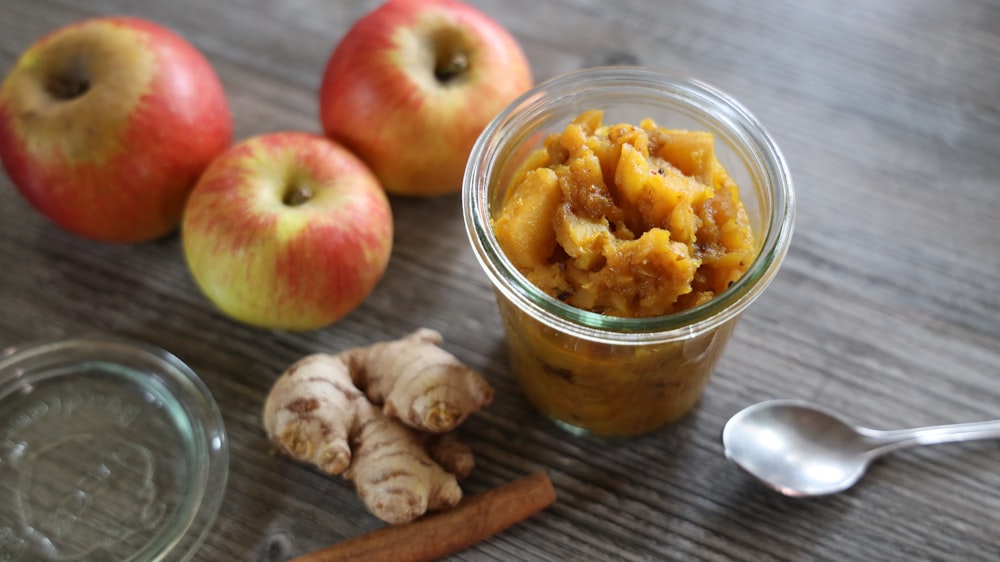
[[800, 449]]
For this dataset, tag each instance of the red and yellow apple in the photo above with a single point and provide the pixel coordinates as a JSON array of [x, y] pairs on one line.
[[411, 86], [287, 230], [106, 124]]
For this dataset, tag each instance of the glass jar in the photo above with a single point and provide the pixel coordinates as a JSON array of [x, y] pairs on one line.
[[608, 375], [110, 449]]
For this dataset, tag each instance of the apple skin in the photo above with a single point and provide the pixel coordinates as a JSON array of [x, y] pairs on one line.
[[105, 125], [287, 230], [382, 96]]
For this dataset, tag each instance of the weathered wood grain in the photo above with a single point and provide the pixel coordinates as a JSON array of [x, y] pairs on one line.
[[887, 307]]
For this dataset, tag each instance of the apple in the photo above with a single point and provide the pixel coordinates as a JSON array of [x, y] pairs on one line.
[[287, 230], [412, 84], [105, 125]]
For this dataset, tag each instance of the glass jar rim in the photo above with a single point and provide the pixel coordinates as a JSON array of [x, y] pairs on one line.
[[592, 83]]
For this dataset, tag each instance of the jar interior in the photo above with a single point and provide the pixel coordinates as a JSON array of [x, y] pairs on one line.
[[628, 95]]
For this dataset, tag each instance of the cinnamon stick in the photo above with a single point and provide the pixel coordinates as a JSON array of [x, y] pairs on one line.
[[437, 535]]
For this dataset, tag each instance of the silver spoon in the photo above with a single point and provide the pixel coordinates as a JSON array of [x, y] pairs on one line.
[[800, 449]]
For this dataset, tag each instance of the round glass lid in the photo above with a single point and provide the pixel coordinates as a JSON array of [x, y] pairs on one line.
[[109, 450]]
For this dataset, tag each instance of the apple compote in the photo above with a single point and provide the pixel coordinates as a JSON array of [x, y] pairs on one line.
[[626, 221]]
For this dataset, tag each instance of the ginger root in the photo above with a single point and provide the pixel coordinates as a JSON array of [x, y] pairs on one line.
[[418, 382], [380, 416]]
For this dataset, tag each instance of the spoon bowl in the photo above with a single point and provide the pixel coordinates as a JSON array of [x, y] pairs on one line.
[[800, 449]]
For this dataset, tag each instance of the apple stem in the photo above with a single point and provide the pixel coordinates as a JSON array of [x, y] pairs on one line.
[[299, 195], [68, 89], [452, 66]]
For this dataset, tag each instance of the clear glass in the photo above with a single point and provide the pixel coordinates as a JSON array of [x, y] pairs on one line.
[[610, 375], [109, 450]]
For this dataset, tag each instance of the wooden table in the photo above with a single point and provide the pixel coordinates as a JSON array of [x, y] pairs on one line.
[[887, 307]]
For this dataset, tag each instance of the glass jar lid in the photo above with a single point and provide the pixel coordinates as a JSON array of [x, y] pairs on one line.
[[109, 450]]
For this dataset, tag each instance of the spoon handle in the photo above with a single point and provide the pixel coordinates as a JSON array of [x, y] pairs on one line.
[[883, 441]]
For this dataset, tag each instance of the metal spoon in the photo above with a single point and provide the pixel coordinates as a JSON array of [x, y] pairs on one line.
[[799, 449]]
